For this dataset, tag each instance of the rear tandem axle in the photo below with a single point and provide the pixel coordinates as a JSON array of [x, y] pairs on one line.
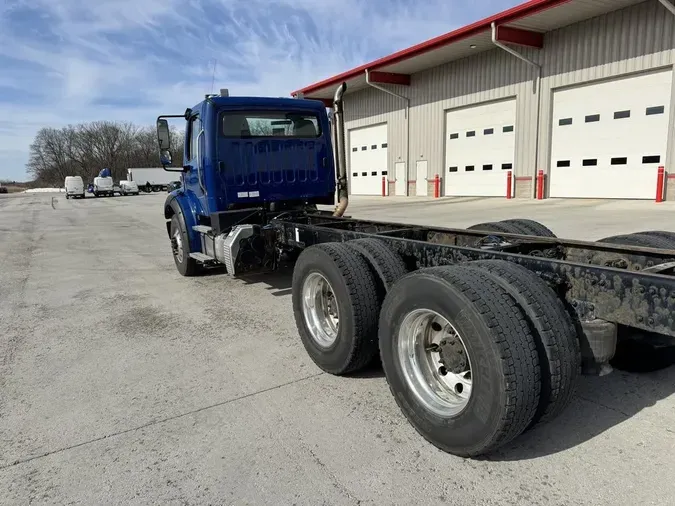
[[482, 332]]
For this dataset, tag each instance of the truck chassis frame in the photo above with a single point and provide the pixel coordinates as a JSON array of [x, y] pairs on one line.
[[640, 294]]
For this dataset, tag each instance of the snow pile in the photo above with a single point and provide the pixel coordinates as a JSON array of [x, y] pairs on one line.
[[45, 190]]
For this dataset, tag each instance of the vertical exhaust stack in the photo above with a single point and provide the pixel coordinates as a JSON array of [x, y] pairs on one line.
[[340, 146]]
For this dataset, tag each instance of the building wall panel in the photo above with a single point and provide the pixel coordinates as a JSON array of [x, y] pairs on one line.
[[488, 76], [371, 107], [630, 40]]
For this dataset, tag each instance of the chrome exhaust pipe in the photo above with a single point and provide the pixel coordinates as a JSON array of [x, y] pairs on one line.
[[340, 146]]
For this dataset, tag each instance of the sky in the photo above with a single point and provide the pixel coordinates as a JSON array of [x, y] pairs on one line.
[[73, 61]]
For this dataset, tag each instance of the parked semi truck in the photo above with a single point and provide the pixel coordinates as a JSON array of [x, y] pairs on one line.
[[482, 332], [150, 179]]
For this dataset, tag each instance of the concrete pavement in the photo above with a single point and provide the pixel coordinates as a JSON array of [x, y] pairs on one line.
[[123, 383]]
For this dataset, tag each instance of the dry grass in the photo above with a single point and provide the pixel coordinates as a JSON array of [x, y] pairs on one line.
[[14, 189], [16, 186]]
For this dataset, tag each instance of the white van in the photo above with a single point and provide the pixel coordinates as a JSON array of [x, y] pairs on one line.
[[128, 187], [74, 187], [103, 186]]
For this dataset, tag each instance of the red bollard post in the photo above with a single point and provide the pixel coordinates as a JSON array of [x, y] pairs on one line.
[[540, 185], [384, 187], [437, 186], [660, 179], [509, 184]]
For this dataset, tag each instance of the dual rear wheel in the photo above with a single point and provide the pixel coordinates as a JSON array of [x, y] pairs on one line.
[[474, 354]]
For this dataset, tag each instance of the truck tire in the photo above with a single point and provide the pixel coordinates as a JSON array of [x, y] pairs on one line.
[[661, 234], [388, 264], [474, 323], [640, 240], [336, 303], [554, 331], [495, 226], [180, 247], [530, 227]]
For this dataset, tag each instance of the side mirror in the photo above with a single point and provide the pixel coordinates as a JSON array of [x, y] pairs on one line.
[[164, 141], [165, 157], [163, 135]]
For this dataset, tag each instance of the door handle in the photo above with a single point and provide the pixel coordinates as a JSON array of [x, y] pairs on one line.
[[200, 160]]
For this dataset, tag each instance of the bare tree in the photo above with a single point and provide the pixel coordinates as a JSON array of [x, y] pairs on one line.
[[260, 127], [49, 158], [87, 148]]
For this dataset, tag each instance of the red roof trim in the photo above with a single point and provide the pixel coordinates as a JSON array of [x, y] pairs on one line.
[[517, 12], [390, 78], [520, 37]]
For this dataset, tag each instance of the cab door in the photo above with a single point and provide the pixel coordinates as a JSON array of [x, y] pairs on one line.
[[193, 178]]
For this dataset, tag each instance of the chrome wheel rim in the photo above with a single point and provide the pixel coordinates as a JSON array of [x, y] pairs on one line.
[[178, 250], [320, 310], [434, 362]]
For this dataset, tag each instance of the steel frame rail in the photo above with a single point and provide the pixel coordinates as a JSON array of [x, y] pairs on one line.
[[643, 299]]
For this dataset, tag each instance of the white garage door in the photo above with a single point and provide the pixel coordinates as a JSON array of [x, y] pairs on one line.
[[368, 159], [610, 138], [480, 147]]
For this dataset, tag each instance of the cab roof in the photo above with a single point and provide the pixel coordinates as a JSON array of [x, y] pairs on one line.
[[268, 102]]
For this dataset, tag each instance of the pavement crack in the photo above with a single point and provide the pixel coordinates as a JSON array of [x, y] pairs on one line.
[[624, 413], [160, 421], [611, 408]]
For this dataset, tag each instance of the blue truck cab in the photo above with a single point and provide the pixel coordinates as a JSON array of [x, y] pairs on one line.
[[243, 158]]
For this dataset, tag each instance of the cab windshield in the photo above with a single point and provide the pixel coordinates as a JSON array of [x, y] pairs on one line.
[[272, 124]]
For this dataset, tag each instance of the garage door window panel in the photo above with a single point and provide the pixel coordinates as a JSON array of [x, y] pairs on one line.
[[652, 111], [485, 144], [368, 159], [611, 149]]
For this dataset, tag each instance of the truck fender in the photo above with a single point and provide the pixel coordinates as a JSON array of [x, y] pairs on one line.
[[180, 205]]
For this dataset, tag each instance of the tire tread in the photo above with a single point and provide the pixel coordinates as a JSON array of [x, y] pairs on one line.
[[531, 227], [388, 264], [362, 287], [640, 240], [190, 266], [511, 334], [555, 332], [506, 228]]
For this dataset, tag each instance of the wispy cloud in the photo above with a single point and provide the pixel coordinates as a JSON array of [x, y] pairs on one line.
[[71, 61]]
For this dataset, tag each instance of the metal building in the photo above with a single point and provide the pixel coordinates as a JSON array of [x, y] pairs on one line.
[[579, 89]]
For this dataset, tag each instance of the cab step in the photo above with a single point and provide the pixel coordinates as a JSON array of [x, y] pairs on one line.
[[202, 229], [201, 257]]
